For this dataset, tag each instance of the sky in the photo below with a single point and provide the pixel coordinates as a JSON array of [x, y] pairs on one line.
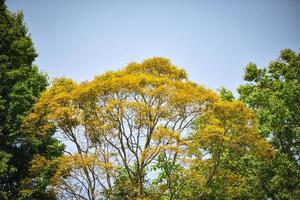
[[212, 40]]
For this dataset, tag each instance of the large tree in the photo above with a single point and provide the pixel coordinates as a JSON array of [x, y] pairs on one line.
[[274, 93], [122, 124], [122, 119], [20, 85]]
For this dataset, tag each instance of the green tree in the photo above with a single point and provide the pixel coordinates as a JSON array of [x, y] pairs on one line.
[[274, 93], [20, 85]]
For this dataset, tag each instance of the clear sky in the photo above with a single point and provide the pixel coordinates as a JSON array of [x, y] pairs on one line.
[[211, 40]]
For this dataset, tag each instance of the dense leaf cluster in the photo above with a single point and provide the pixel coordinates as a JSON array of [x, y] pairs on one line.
[[20, 86], [274, 93]]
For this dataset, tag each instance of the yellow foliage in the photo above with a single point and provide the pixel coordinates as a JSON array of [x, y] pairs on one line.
[[230, 125], [224, 134], [157, 66], [143, 109], [165, 133], [66, 164]]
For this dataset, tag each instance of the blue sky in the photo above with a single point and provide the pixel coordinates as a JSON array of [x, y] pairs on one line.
[[211, 40]]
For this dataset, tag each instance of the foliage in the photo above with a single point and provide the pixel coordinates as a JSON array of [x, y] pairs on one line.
[[274, 93], [171, 182], [127, 117], [123, 187], [145, 131], [225, 94], [149, 116], [225, 138], [20, 86]]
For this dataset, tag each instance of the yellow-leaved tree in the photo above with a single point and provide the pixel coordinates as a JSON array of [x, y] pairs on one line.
[[221, 149], [118, 125], [120, 120]]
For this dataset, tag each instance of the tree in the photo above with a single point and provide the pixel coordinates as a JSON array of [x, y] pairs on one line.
[[148, 116], [225, 139], [274, 93], [219, 157], [127, 118], [20, 85]]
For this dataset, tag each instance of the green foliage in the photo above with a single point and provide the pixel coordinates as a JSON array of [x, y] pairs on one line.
[[123, 187], [274, 93], [20, 86], [171, 182], [225, 94]]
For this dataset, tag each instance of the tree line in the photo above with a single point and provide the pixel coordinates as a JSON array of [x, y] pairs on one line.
[[145, 131]]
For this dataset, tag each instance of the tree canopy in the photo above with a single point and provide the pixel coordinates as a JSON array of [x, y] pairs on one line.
[[128, 120], [274, 93], [20, 86]]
